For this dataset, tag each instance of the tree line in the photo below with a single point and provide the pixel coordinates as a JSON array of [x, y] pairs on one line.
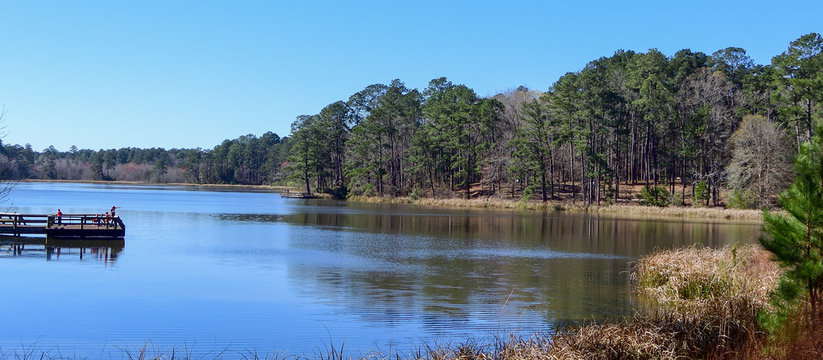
[[688, 121], [247, 160], [703, 121]]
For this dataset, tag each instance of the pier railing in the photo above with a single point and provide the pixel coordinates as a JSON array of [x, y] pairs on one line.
[[18, 223], [85, 221], [69, 225]]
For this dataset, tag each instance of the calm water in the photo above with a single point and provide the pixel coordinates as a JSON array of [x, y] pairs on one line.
[[244, 271]]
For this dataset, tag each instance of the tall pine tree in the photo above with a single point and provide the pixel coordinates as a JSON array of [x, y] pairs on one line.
[[796, 238]]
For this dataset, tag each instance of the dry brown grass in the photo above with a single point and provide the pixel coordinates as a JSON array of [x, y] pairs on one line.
[[686, 280], [706, 303], [621, 210], [801, 337], [714, 213]]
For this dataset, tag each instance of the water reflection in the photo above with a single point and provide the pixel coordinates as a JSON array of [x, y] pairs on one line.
[[104, 251], [532, 292], [570, 233], [492, 269]]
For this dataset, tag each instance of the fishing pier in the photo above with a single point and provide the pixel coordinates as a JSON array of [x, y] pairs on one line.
[[67, 226]]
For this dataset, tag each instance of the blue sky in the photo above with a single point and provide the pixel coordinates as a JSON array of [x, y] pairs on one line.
[[184, 74]]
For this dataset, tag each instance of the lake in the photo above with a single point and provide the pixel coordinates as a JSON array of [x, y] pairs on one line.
[[207, 271]]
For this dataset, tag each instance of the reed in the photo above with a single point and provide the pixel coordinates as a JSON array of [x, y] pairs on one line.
[[683, 212], [622, 210], [686, 280], [705, 305], [800, 338]]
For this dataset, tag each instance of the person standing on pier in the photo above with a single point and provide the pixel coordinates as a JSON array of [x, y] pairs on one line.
[[59, 217], [112, 211]]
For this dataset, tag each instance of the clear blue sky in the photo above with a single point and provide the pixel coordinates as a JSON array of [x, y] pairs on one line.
[[111, 74]]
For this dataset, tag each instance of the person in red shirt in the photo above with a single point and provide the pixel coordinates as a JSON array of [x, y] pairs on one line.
[[59, 216]]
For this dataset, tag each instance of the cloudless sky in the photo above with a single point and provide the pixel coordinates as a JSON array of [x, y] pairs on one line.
[[186, 74]]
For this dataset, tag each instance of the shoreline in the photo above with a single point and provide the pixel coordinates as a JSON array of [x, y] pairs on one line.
[[617, 210], [622, 210]]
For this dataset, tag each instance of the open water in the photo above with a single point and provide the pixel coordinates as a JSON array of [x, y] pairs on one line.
[[206, 272]]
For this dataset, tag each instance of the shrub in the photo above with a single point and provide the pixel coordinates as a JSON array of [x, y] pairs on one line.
[[416, 193], [339, 192], [677, 199], [655, 196], [742, 199], [608, 191], [528, 193], [701, 193]]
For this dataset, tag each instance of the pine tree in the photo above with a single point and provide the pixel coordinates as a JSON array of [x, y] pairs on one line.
[[796, 239], [532, 147]]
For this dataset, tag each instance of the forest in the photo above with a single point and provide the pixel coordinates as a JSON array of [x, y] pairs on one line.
[[686, 126]]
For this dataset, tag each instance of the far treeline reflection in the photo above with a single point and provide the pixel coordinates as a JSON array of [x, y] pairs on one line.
[[566, 267], [577, 233]]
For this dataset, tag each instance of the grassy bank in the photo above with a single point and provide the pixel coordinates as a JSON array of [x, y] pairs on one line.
[[623, 210]]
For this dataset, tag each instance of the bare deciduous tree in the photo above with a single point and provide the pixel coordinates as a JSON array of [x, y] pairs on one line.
[[761, 158]]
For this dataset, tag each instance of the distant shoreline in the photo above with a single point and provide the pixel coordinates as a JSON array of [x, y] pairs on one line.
[[269, 188]]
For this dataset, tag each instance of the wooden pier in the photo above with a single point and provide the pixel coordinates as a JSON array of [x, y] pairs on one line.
[[67, 226]]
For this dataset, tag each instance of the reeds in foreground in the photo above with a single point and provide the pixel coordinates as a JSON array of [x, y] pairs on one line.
[[706, 303]]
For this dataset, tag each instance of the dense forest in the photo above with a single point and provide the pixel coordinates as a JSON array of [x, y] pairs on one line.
[[706, 122]]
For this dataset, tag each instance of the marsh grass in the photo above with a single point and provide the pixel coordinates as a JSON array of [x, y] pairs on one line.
[[705, 305], [687, 280], [719, 291], [622, 210]]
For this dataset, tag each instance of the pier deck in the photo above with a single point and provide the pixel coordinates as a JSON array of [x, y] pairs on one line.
[[66, 226]]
